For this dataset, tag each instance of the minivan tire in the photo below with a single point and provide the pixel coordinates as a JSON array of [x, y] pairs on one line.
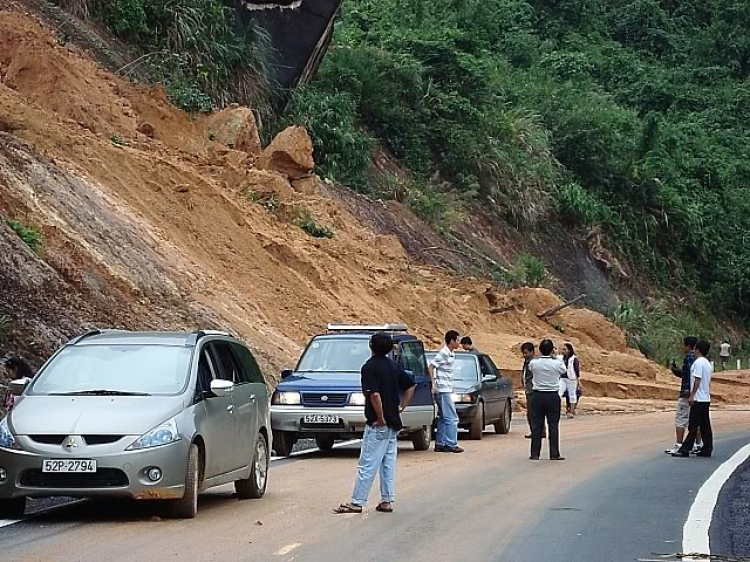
[[187, 506], [476, 430], [254, 487], [502, 425], [12, 508], [325, 443], [421, 438], [283, 442]]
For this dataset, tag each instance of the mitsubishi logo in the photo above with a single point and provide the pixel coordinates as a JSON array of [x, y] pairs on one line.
[[70, 443], [324, 398]]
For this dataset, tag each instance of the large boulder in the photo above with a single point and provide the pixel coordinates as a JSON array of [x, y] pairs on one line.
[[266, 183], [290, 153], [235, 128]]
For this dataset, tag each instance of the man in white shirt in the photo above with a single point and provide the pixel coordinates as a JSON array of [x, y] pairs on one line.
[[441, 373], [725, 353], [545, 400], [700, 404]]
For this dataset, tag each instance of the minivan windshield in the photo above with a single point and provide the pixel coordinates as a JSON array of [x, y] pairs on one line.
[[464, 367], [343, 355], [112, 370]]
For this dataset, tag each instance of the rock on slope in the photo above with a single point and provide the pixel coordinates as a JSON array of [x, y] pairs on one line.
[[148, 223]]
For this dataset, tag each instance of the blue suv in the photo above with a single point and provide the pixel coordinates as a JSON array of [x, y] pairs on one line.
[[322, 398]]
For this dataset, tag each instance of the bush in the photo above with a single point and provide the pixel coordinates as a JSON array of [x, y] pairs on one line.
[[526, 271], [307, 223], [29, 234]]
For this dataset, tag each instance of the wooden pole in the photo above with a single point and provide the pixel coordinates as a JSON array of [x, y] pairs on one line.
[[554, 310]]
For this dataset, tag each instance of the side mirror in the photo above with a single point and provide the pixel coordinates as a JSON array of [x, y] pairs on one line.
[[489, 378], [17, 386], [286, 373], [221, 388]]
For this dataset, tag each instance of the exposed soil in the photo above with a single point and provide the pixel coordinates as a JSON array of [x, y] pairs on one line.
[[150, 227]]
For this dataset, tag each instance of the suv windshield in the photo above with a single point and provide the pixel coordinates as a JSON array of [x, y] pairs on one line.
[[115, 370], [464, 367], [345, 355]]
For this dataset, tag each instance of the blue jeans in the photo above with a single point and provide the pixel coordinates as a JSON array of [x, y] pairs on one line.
[[447, 424], [379, 448]]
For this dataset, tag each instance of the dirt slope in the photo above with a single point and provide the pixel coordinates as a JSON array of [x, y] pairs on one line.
[[146, 225]]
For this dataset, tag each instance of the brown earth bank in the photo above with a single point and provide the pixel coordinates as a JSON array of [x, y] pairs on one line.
[[153, 218]]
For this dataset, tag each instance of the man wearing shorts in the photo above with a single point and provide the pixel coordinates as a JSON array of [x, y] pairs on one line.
[[682, 414]]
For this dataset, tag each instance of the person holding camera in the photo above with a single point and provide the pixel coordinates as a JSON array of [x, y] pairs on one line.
[[682, 412]]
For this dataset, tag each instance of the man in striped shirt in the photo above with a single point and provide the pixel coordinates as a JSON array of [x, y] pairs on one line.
[[441, 373]]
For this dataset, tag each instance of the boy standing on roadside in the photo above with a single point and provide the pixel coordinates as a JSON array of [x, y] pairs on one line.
[[700, 404], [388, 390], [682, 414], [441, 373]]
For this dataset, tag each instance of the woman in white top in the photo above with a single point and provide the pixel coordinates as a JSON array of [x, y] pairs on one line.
[[571, 380]]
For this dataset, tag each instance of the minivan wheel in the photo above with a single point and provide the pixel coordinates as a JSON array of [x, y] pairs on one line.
[[12, 508], [283, 442], [421, 438], [477, 423], [325, 443], [255, 486], [502, 425], [187, 506]]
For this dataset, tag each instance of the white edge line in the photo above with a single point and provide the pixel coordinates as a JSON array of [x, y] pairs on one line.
[[316, 450], [43, 511], [695, 532]]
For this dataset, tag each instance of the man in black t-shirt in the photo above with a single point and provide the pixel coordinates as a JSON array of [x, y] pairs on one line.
[[388, 390]]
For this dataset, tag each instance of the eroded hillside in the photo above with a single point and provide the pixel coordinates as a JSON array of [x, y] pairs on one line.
[[155, 218]]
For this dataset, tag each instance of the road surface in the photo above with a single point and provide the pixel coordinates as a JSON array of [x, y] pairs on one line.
[[617, 498]]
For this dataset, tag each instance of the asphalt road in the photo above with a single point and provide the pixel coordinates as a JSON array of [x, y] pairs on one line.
[[618, 497]]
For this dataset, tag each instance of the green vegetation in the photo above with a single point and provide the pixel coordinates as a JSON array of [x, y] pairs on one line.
[[307, 223], [526, 271], [657, 331], [631, 114], [6, 323], [118, 140], [203, 51], [269, 201], [29, 234]]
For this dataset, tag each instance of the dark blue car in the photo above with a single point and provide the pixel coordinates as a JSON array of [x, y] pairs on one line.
[[322, 397]]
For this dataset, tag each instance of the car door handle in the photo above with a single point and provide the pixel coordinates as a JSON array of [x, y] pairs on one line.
[[252, 397], [230, 409]]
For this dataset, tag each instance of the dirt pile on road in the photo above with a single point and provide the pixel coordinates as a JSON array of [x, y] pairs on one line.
[[154, 218]]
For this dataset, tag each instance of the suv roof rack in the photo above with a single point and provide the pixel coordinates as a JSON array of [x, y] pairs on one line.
[[198, 334], [388, 327]]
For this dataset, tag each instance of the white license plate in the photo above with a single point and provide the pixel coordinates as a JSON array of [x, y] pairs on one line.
[[320, 418], [68, 465]]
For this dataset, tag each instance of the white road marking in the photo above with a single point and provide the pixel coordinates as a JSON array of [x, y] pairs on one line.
[[695, 531], [287, 549], [6, 522], [316, 450]]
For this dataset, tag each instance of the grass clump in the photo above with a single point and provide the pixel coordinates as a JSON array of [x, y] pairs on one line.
[[526, 271], [29, 234], [307, 223]]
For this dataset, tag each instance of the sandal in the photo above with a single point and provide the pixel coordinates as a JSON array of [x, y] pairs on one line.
[[384, 507], [348, 508]]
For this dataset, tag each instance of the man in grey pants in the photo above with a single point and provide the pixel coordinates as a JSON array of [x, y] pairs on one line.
[[545, 400]]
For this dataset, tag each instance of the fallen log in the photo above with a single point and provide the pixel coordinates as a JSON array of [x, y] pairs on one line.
[[555, 309]]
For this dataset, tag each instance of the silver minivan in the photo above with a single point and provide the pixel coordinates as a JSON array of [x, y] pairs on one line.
[[145, 415]]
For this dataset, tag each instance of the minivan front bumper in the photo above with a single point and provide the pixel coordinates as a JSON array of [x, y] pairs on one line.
[[120, 473]]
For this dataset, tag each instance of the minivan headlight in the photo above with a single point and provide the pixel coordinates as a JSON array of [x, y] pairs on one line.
[[163, 434], [357, 399], [286, 398], [7, 440]]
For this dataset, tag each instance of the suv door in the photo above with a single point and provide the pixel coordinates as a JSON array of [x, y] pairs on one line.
[[244, 405], [422, 410], [491, 390], [254, 395], [220, 423]]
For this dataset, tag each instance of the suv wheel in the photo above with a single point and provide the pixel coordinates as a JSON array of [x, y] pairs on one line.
[[325, 443], [421, 438], [255, 486], [187, 507], [477, 423], [283, 442], [12, 508], [503, 424]]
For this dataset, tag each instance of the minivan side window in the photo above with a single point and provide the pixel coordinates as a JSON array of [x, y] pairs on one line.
[[412, 358], [206, 374], [228, 368], [250, 370]]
